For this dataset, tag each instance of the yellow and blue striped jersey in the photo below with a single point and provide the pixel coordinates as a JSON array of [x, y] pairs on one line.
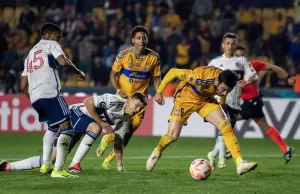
[[134, 73]]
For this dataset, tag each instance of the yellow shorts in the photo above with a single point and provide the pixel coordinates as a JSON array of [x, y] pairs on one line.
[[138, 118], [183, 110]]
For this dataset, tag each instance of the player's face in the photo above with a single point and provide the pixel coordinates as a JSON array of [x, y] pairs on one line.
[[134, 106], [229, 45], [240, 52], [140, 40], [222, 89]]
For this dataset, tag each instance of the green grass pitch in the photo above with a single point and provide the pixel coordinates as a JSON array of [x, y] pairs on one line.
[[171, 174]]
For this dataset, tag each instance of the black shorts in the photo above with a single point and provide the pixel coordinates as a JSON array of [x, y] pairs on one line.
[[233, 113], [252, 108]]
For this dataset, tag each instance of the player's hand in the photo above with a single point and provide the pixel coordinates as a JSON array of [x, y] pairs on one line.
[[122, 94], [107, 127], [159, 98], [242, 83], [291, 80], [80, 76]]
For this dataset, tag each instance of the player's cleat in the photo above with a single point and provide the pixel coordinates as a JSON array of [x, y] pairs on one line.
[[221, 163], [288, 155], [228, 155], [106, 165], [62, 174], [46, 169], [3, 166], [212, 161], [76, 168], [245, 167], [152, 160]]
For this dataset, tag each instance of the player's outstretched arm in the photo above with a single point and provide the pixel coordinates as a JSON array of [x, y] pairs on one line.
[[90, 106], [24, 86], [281, 73], [181, 74], [118, 147], [114, 80], [67, 63], [156, 82]]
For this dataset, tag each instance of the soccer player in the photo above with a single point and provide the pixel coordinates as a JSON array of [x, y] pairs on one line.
[[88, 119], [131, 73], [246, 75], [195, 93], [253, 104], [41, 84]]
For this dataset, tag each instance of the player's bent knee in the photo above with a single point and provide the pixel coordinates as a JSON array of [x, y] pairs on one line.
[[94, 127], [174, 128]]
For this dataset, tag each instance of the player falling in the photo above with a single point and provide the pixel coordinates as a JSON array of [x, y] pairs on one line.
[[246, 75], [41, 84], [131, 73], [195, 93], [89, 118], [253, 104]]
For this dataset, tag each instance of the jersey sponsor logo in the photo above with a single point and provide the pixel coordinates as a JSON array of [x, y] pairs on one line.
[[136, 80], [138, 65]]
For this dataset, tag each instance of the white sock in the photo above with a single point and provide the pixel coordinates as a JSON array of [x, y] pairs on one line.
[[26, 164], [48, 140], [83, 148], [63, 144], [222, 147], [215, 151]]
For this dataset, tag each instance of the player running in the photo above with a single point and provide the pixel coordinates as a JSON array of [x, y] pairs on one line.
[[195, 93], [131, 73], [246, 75], [253, 104], [89, 118], [41, 84]]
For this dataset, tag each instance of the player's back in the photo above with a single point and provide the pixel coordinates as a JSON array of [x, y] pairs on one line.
[[200, 84], [135, 73], [40, 68], [109, 107]]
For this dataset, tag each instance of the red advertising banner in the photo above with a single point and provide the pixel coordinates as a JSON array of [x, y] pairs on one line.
[[17, 115]]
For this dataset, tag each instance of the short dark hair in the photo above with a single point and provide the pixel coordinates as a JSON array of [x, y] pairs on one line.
[[140, 96], [240, 48], [228, 77], [139, 28], [230, 35], [49, 27]]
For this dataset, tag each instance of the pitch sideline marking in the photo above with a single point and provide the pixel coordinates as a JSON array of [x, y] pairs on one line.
[[169, 157]]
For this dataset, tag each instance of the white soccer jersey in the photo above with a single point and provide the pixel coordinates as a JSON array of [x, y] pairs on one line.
[[40, 67], [244, 70], [111, 109]]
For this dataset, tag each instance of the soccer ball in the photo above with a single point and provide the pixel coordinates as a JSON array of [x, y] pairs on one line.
[[200, 169]]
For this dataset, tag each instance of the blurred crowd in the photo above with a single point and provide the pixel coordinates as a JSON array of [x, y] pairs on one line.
[[185, 33]]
